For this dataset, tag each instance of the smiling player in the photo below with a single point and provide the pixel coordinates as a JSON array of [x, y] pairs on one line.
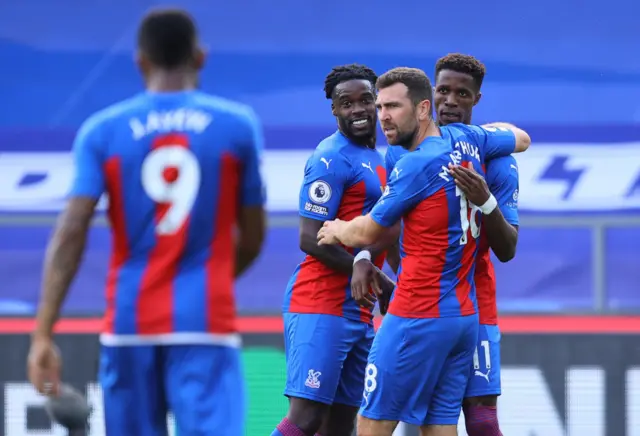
[[328, 329], [421, 357]]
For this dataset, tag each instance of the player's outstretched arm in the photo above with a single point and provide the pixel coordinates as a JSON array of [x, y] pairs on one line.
[[359, 232], [408, 187], [333, 256], [522, 138]]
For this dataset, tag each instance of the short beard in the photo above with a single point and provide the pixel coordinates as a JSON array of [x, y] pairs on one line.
[[405, 140]]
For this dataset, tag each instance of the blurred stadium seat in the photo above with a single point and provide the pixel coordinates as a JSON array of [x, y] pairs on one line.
[[571, 78]]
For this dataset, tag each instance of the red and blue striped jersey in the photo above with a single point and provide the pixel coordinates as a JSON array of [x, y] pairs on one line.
[[439, 226], [502, 179], [341, 180], [175, 167]]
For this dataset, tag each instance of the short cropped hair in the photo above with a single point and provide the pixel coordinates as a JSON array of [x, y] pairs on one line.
[[462, 63], [414, 79], [168, 37], [344, 73]]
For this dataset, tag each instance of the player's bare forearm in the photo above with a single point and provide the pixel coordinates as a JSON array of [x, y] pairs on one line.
[[523, 140], [502, 236], [63, 257], [335, 257], [359, 232], [389, 242], [252, 225]]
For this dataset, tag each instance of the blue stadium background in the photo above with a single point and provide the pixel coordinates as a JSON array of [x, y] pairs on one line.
[[574, 84]]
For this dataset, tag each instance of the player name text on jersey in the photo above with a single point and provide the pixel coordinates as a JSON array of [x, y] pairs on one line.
[[181, 120]]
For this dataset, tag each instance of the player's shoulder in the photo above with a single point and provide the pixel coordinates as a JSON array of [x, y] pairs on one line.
[[426, 161], [458, 131], [110, 115], [232, 115], [501, 168], [394, 152], [433, 150], [224, 107], [335, 146]]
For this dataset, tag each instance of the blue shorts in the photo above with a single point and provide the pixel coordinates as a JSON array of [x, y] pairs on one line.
[[485, 372], [418, 369], [326, 356], [201, 384]]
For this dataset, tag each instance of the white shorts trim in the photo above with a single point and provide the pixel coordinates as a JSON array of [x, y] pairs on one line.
[[233, 340]]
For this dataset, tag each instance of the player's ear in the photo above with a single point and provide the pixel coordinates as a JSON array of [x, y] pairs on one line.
[[424, 110], [478, 97], [142, 62], [333, 109], [199, 57]]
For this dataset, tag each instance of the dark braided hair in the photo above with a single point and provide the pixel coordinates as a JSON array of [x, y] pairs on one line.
[[344, 73]]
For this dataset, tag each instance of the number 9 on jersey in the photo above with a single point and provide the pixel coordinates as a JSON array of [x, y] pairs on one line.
[[171, 176]]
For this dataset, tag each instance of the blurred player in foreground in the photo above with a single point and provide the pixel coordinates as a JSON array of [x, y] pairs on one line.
[[420, 360], [329, 330], [458, 81], [181, 170]]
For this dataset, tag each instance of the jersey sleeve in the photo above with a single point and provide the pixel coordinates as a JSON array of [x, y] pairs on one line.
[[504, 185], [89, 156], [326, 176], [252, 144], [389, 161], [496, 141], [408, 184]]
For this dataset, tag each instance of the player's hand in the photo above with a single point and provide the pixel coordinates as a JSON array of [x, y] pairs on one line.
[[383, 286], [362, 280], [327, 235], [471, 183], [43, 366]]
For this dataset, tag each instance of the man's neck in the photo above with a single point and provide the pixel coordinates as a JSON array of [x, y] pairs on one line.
[[425, 131], [463, 122], [369, 141], [171, 81]]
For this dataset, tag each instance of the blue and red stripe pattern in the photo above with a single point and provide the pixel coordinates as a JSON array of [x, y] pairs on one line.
[[440, 227], [342, 180], [175, 167]]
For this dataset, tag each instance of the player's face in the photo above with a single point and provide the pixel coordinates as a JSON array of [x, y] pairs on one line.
[[455, 96], [397, 114], [354, 107]]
